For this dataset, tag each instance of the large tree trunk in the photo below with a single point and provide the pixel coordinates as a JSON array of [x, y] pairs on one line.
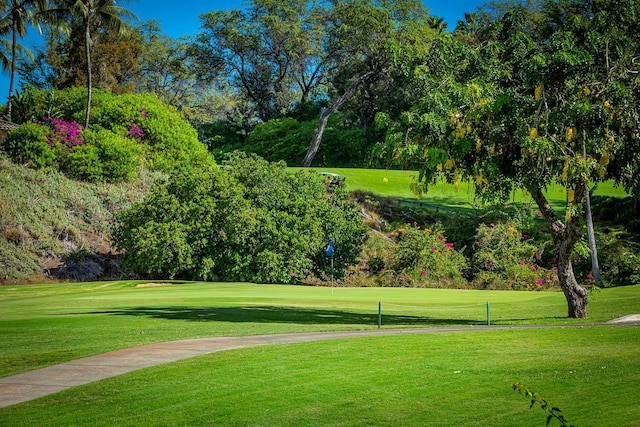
[[565, 235], [326, 112]]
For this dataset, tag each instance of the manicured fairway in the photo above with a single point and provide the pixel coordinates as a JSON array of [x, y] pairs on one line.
[[452, 378], [396, 183], [48, 324], [434, 380]]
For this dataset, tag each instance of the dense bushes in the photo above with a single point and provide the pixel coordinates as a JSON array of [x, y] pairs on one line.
[[250, 220], [104, 156], [287, 139], [28, 145], [125, 131], [504, 258], [423, 257]]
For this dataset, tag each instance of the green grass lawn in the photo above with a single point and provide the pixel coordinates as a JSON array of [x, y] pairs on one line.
[[455, 378], [396, 183]]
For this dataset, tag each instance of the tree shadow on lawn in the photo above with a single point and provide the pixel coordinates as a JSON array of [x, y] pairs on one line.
[[274, 314]]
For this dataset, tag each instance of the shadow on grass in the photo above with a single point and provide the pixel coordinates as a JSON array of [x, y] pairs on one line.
[[273, 314]]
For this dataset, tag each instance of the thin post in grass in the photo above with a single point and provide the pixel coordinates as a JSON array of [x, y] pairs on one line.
[[488, 314]]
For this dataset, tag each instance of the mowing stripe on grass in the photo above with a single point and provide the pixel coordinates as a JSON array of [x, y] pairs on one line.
[[41, 382]]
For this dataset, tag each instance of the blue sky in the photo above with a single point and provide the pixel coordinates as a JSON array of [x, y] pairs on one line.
[[181, 17]]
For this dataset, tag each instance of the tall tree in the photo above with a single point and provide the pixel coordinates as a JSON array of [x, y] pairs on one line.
[[17, 16], [91, 15], [271, 51], [365, 39], [514, 107]]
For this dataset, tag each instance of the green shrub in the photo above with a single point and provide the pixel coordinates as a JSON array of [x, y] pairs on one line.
[[105, 157], [28, 145], [248, 221], [281, 139], [83, 163], [504, 259], [288, 139], [424, 258], [619, 258], [169, 142]]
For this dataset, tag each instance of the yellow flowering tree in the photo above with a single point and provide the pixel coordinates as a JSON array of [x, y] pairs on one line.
[[525, 98]]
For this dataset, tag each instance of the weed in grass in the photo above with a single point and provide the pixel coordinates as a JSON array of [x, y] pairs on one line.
[[554, 414]]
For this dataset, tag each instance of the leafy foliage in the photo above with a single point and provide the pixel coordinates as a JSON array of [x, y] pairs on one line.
[[29, 145], [424, 258], [504, 258], [105, 157], [250, 220], [288, 139], [126, 130], [553, 412]]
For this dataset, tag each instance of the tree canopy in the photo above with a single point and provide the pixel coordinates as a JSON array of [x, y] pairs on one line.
[[532, 96]]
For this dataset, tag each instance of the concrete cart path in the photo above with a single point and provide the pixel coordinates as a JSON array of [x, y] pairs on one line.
[[41, 382]]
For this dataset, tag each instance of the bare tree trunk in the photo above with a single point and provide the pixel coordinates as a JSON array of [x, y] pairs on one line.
[[327, 112], [565, 235], [595, 266], [87, 45], [14, 42]]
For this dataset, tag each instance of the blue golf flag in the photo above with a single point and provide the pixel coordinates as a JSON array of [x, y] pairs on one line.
[[329, 250]]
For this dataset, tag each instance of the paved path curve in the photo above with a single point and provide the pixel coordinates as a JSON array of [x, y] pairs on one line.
[[41, 382]]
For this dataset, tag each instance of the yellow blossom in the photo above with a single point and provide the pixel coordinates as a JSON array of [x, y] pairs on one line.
[[533, 133], [449, 164], [569, 134], [538, 91]]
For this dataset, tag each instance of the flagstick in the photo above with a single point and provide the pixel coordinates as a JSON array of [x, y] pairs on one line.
[[331, 274]]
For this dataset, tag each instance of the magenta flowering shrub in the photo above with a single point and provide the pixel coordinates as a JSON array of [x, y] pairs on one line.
[[69, 134], [504, 258], [424, 258], [136, 132]]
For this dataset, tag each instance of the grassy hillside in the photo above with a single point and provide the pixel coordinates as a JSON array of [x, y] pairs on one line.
[[47, 219]]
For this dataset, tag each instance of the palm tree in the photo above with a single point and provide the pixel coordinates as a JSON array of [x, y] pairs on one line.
[[16, 16], [91, 15]]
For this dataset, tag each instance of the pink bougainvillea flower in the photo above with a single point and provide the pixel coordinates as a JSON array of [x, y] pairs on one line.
[[423, 272], [136, 132], [449, 245], [521, 262]]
